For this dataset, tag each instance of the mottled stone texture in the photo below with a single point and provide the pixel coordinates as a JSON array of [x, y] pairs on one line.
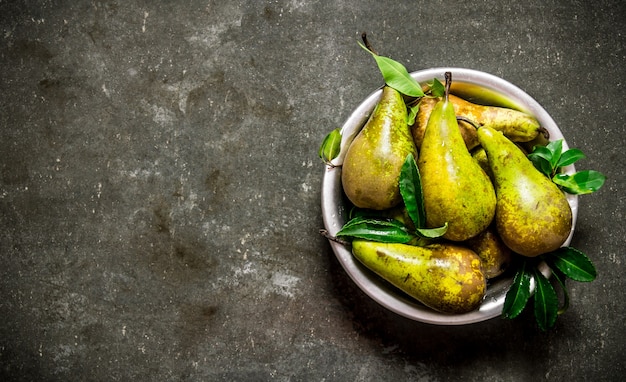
[[160, 188]]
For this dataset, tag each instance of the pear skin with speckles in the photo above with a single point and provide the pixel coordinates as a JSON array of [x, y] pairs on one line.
[[370, 172], [445, 277], [516, 125], [533, 215], [495, 256], [456, 190]]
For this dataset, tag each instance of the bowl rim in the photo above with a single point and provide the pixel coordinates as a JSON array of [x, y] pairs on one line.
[[334, 211]]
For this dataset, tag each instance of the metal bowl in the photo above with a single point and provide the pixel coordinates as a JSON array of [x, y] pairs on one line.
[[469, 84]]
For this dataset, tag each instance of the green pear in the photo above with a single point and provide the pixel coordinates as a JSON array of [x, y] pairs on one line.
[[447, 278], [532, 214], [516, 125], [372, 165], [455, 188], [480, 156], [494, 255]]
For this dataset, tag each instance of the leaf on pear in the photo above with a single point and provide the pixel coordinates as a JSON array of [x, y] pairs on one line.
[[546, 302], [411, 191], [579, 183], [410, 120], [572, 263], [556, 148], [518, 294], [432, 233], [542, 152], [541, 157], [396, 75], [331, 146], [386, 231], [437, 89], [570, 157]]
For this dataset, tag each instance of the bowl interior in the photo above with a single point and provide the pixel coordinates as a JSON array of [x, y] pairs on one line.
[[473, 85]]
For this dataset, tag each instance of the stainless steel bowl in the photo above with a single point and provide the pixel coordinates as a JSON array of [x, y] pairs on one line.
[[468, 83]]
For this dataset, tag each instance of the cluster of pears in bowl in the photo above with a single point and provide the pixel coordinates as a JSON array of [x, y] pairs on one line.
[[482, 202]]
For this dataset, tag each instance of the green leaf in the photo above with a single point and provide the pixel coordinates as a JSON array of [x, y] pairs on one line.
[[518, 294], [546, 302], [331, 146], [410, 120], [542, 165], [432, 233], [573, 263], [411, 191], [542, 152], [396, 75], [541, 158], [555, 147], [386, 231], [437, 89], [549, 159], [569, 157], [560, 278], [582, 182]]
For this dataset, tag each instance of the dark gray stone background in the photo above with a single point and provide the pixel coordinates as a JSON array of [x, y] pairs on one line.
[[160, 188]]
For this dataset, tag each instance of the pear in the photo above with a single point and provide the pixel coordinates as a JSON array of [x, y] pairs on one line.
[[494, 255], [539, 140], [480, 156], [532, 214], [445, 277], [455, 188], [372, 165], [516, 125]]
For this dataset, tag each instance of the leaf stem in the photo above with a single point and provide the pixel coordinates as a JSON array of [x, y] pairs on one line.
[[367, 43], [330, 237]]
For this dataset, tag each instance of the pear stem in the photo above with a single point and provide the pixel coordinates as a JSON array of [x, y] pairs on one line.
[[465, 119], [448, 76], [367, 43], [544, 132]]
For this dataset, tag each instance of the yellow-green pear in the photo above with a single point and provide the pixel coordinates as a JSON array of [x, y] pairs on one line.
[[372, 165], [532, 214], [516, 125], [480, 156], [455, 188], [494, 255], [445, 277]]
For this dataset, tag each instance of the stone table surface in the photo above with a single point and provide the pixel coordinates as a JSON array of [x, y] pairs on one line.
[[160, 188]]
